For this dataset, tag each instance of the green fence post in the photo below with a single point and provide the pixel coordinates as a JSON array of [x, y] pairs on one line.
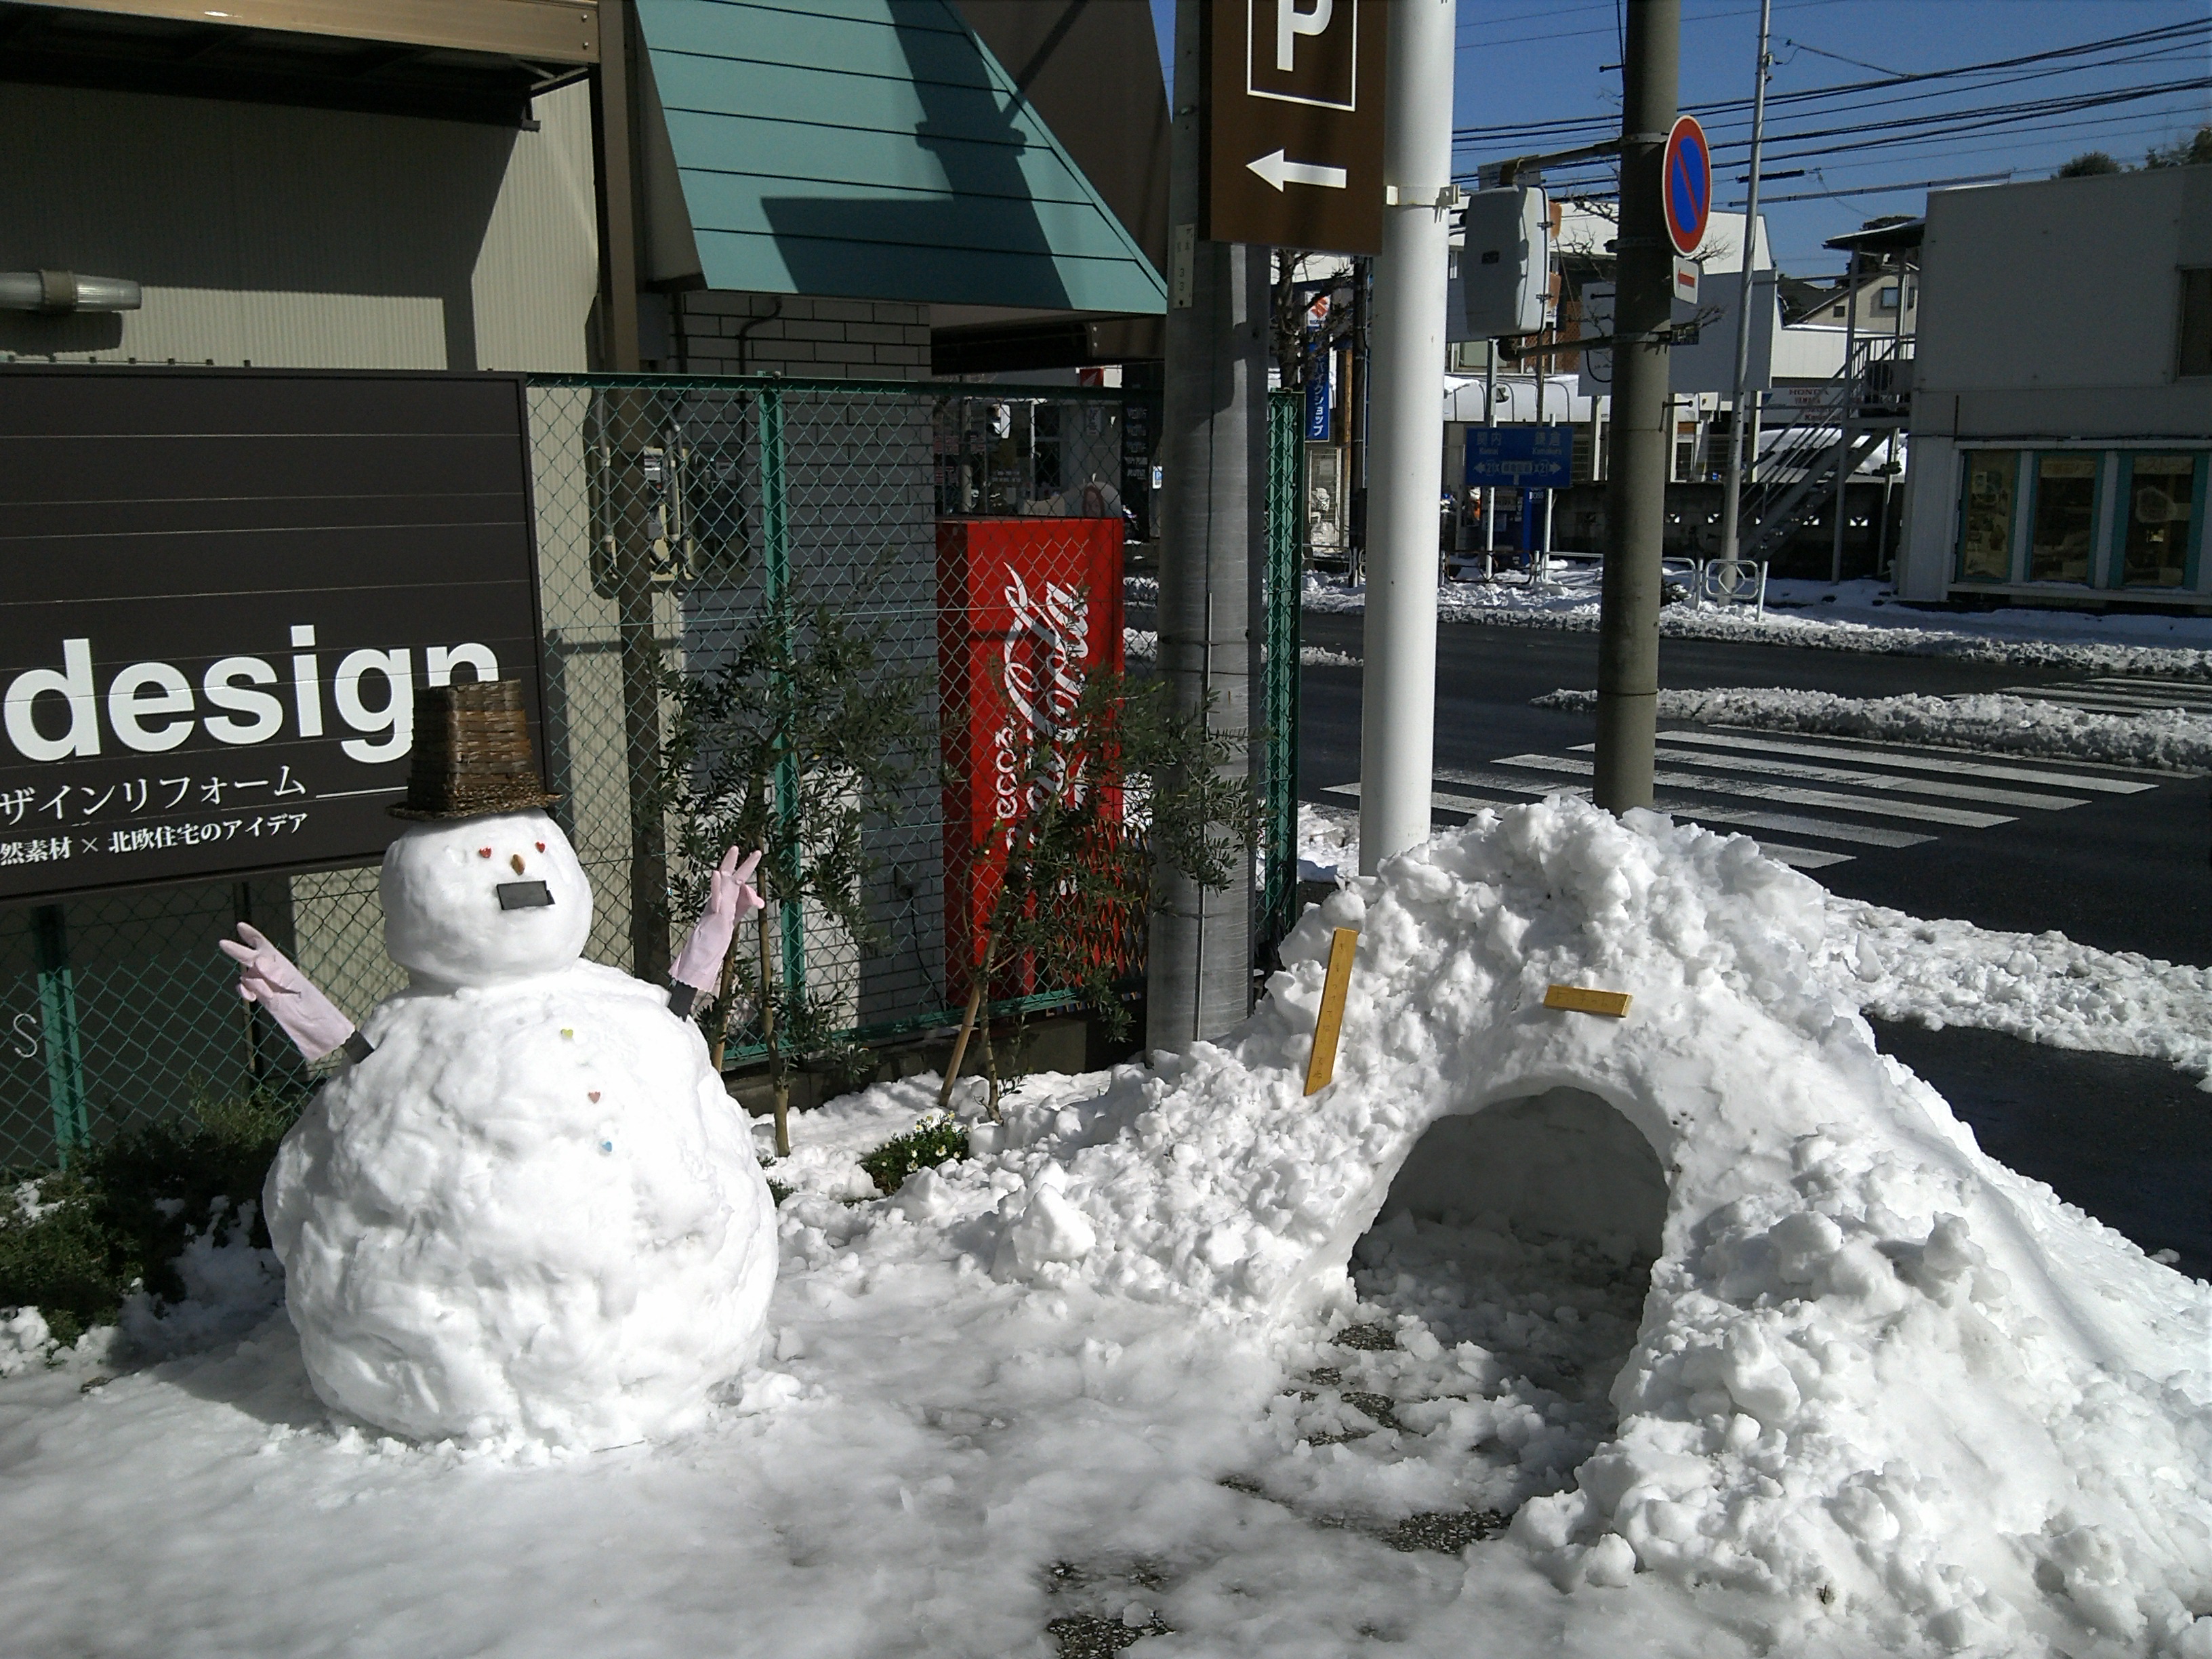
[[58, 1017], [775, 548], [1285, 579]]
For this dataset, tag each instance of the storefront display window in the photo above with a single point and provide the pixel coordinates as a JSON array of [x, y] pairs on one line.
[[1986, 515], [2162, 495], [2063, 530]]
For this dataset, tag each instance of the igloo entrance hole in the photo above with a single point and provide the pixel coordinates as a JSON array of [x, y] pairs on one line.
[[1502, 1285], [1561, 1165]]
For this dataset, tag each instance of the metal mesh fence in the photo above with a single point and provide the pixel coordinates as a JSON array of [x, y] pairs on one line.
[[952, 551]]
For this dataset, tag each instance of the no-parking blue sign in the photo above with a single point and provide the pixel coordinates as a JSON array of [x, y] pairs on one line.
[[1686, 184], [1521, 457]]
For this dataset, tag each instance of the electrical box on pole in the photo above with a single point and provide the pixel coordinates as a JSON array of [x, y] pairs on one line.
[[1505, 262]]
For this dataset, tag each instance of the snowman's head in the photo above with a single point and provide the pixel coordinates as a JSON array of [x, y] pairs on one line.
[[475, 900]]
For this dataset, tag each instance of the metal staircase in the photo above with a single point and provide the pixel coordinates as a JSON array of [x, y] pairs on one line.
[[1866, 401]]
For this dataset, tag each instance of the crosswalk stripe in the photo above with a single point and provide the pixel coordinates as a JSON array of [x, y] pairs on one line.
[[1764, 744], [1878, 750], [2194, 691], [1803, 858], [1687, 804], [2107, 703], [1786, 794], [1863, 779]]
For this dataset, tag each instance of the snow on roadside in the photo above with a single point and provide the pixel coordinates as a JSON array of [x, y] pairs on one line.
[[2172, 739], [1143, 645], [2019, 638], [2041, 988]]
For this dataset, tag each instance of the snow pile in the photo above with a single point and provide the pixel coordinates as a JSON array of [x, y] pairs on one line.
[[2174, 739], [2042, 986], [1878, 1377], [1797, 616], [532, 1211], [24, 1340], [1143, 645]]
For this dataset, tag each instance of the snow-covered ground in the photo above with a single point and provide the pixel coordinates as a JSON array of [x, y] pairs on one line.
[[1752, 1352], [1858, 615], [2175, 739]]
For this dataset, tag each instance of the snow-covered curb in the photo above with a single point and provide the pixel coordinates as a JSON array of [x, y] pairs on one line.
[[1143, 645], [2172, 739], [2001, 638]]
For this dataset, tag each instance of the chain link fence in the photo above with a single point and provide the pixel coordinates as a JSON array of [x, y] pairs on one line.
[[954, 549]]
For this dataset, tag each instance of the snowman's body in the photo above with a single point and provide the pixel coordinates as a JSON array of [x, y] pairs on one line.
[[533, 1209]]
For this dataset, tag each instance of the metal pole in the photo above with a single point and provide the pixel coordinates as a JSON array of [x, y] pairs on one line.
[[1889, 450], [1843, 414], [1643, 409], [1490, 491], [1214, 440], [1732, 491], [1398, 712]]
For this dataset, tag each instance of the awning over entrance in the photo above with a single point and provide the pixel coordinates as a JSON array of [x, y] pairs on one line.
[[875, 148]]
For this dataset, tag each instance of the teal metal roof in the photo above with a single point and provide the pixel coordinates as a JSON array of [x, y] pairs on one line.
[[875, 148]]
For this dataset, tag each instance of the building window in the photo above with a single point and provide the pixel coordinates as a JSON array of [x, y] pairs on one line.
[[2165, 503], [2062, 529], [1887, 300], [2196, 321], [1986, 515]]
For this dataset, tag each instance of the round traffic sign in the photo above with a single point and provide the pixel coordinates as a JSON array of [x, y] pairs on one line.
[[1687, 187]]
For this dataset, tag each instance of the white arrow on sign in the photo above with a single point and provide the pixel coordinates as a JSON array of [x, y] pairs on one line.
[[1278, 172]]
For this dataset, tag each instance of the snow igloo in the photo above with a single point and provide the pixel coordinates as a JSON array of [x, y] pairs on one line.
[[1854, 1365]]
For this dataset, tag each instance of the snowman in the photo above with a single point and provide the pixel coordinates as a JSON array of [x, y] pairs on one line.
[[525, 1204]]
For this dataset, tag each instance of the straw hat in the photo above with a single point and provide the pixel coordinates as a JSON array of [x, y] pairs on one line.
[[471, 754]]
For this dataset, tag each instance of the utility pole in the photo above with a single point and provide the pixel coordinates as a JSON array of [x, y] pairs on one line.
[[1636, 495], [1397, 739], [1746, 429], [1843, 415], [1213, 443]]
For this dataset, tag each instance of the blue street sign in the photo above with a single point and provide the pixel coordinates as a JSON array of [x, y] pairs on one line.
[[1521, 457], [1321, 376]]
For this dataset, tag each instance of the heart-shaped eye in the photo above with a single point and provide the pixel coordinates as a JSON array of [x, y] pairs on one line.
[[541, 846], [483, 851], [595, 1097]]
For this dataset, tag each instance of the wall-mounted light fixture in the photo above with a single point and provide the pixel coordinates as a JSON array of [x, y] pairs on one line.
[[59, 291]]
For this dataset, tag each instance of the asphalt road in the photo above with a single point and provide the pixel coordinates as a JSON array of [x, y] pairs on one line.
[[2125, 872], [2130, 1140]]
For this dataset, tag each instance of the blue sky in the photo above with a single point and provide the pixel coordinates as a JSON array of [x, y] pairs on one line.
[[1527, 60]]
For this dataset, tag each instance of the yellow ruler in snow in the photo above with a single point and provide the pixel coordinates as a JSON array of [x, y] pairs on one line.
[[1580, 999], [1322, 1066]]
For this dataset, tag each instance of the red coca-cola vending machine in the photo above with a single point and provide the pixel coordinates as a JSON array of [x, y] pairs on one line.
[[1027, 608]]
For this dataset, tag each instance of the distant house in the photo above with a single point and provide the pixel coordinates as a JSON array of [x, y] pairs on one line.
[[2062, 406]]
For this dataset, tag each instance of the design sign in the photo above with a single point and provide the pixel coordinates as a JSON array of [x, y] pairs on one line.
[[220, 592], [1687, 187], [1293, 123]]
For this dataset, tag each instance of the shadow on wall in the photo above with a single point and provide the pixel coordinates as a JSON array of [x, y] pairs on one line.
[[204, 201], [989, 239]]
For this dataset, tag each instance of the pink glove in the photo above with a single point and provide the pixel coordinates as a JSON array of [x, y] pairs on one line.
[[267, 976], [730, 900]]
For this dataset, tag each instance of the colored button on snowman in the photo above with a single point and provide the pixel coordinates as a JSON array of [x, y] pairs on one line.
[[529, 1207]]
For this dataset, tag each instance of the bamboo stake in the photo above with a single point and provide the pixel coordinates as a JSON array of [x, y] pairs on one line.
[[967, 1029]]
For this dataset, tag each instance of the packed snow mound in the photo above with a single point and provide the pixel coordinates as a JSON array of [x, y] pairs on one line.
[[1876, 1368], [532, 1211]]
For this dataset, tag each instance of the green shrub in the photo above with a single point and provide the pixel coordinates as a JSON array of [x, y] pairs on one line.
[[928, 1144], [123, 1214]]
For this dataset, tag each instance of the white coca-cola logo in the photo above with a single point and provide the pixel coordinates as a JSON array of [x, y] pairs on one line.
[[1042, 660]]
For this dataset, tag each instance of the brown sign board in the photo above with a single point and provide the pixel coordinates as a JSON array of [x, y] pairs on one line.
[[220, 592], [1293, 128]]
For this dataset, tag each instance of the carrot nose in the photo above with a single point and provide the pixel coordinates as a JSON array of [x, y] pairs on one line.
[[516, 861]]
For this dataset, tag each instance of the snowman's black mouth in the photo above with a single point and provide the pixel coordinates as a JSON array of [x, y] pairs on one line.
[[524, 895]]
